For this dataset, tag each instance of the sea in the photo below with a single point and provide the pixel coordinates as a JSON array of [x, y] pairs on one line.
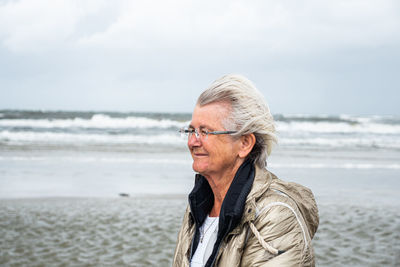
[[91, 188]]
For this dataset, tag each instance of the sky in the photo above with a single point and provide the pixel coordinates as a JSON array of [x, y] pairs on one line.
[[306, 57]]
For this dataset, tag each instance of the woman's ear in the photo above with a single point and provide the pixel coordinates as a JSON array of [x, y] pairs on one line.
[[247, 143]]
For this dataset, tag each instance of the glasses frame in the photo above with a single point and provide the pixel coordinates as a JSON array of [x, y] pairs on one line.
[[199, 134]]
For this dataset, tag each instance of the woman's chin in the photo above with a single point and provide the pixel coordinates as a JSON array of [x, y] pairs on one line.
[[199, 167]]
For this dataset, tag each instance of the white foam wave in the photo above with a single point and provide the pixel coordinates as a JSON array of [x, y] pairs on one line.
[[68, 138], [335, 166], [97, 121], [337, 127], [99, 159], [361, 125], [361, 166], [339, 142], [42, 138]]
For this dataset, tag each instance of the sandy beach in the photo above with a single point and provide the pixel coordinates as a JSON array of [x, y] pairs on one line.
[[60, 180], [141, 231]]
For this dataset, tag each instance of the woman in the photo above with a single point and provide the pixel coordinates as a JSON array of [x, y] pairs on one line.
[[239, 213]]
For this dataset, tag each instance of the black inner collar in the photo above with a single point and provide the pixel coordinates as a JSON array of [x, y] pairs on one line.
[[201, 201]]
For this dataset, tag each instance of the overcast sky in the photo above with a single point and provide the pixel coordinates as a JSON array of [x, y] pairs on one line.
[[309, 57]]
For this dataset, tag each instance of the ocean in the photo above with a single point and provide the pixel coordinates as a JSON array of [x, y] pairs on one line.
[[62, 174]]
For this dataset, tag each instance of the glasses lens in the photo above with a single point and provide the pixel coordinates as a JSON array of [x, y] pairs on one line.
[[199, 134], [203, 134], [184, 133]]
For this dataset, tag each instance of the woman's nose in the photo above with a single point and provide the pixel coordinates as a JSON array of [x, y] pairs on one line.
[[193, 140]]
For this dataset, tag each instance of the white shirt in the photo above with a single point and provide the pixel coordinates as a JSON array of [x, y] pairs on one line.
[[208, 236]]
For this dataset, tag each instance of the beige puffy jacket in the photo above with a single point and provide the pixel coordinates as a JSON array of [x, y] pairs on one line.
[[278, 216]]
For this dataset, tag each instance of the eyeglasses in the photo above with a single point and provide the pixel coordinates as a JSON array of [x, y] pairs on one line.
[[201, 133]]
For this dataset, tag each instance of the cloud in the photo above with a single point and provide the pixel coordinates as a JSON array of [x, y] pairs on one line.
[[123, 52], [28, 26], [272, 25]]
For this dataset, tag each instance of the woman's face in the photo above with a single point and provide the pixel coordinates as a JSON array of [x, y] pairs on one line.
[[215, 154]]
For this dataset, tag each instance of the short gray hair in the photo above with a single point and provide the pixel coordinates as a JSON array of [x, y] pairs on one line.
[[249, 113]]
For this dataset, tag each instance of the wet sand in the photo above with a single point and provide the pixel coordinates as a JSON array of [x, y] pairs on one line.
[[142, 230]]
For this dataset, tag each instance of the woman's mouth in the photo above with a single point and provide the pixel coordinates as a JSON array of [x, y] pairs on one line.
[[200, 154]]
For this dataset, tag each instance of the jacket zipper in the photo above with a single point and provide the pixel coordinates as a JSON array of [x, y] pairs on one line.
[[219, 246]]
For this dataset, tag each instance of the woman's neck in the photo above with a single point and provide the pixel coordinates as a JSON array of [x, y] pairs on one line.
[[220, 184]]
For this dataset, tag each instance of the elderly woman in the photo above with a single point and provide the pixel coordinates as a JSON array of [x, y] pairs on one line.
[[239, 213]]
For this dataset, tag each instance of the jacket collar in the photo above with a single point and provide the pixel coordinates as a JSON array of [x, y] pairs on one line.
[[261, 183], [201, 200]]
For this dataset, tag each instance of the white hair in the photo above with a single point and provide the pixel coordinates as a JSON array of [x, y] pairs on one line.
[[249, 113]]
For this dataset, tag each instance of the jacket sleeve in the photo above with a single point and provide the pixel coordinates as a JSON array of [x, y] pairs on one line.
[[183, 243], [279, 225]]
